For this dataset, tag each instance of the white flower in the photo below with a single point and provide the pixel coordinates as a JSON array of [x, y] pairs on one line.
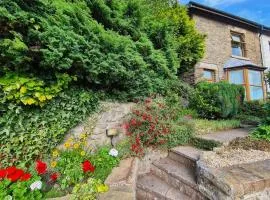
[[113, 152], [36, 185]]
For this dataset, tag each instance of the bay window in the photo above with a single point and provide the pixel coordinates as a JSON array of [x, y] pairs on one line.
[[252, 80]]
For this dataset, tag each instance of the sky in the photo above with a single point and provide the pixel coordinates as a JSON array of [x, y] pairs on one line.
[[254, 10]]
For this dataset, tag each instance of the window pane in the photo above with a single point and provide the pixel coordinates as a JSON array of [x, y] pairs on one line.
[[236, 38], [236, 77], [256, 93], [236, 50], [207, 74], [254, 77]]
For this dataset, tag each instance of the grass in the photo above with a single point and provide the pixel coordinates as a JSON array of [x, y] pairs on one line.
[[204, 126]]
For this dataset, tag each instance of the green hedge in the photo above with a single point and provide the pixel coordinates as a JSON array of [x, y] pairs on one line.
[[120, 46], [30, 132], [217, 100]]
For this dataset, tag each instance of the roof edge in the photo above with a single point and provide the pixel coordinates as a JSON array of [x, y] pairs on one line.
[[221, 13]]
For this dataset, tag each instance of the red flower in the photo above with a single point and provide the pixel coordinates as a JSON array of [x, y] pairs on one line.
[[54, 176], [144, 116], [133, 122], [41, 167], [126, 126], [26, 177], [15, 176], [10, 170], [3, 173], [87, 166]]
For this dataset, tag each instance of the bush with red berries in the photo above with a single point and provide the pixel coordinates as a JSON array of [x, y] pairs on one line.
[[157, 122]]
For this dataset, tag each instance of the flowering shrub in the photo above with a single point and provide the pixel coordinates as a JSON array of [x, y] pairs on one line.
[[157, 122]]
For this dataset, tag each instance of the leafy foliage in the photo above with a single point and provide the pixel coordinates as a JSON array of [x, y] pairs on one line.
[[88, 190], [217, 100], [262, 132], [29, 132], [18, 190], [124, 47], [104, 163], [31, 91], [254, 108]]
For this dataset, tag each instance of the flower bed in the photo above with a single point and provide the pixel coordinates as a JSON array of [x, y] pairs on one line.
[[75, 170]]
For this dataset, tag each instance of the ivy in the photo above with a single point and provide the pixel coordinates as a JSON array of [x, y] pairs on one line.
[[30, 132]]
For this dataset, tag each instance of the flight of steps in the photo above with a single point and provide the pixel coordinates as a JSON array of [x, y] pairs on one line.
[[171, 178]]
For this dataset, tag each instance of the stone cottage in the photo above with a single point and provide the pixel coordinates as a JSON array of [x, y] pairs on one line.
[[233, 50]]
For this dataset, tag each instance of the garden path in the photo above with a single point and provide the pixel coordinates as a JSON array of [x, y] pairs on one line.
[[226, 136]]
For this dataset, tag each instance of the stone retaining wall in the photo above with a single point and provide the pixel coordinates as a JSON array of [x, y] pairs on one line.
[[240, 182], [110, 116]]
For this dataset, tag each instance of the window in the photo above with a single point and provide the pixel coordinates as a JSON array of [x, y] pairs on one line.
[[237, 77], [255, 84], [251, 80], [238, 45], [209, 75]]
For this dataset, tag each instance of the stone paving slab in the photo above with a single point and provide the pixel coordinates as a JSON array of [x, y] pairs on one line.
[[226, 136], [188, 152]]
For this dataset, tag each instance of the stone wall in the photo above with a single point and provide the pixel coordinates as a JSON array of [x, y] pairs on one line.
[[218, 43], [239, 182], [110, 116]]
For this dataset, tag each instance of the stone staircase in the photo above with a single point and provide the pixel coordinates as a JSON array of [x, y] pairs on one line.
[[171, 178]]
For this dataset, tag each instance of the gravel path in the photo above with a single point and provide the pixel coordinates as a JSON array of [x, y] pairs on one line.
[[223, 157]]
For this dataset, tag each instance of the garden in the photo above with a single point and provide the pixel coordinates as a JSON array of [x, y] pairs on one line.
[[60, 59]]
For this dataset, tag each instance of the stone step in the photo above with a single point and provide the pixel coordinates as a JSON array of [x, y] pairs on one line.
[[150, 187], [179, 176], [186, 155], [122, 181]]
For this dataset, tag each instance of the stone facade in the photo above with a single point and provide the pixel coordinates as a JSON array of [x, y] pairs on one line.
[[218, 43]]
